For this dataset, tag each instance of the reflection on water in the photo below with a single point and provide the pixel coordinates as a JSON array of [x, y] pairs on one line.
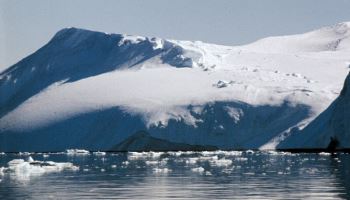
[[183, 175]]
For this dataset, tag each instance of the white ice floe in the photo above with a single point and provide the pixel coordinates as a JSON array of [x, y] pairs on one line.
[[2, 169], [324, 154], [221, 162], [220, 152], [207, 173], [24, 153], [198, 169], [175, 153], [161, 170], [23, 170], [144, 155], [192, 160], [208, 158], [241, 159], [156, 162], [99, 153], [77, 152], [233, 153], [249, 151], [125, 162], [279, 153]]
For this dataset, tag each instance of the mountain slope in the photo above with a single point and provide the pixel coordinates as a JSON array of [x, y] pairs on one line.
[[331, 125], [93, 90], [333, 38], [142, 141]]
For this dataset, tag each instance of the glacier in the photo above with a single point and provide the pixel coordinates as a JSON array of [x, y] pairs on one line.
[[116, 92]]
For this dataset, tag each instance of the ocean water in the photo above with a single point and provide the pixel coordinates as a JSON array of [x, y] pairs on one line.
[[178, 175]]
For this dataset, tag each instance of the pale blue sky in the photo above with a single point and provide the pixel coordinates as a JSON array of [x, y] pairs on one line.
[[27, 25]]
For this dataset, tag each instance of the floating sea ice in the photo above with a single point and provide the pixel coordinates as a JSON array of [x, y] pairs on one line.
[[125, 162], [191, 160], [161, 170], [152, 162], [99, 153], [113, 166], [221, 162], [324, 154], [205, 158], [233, 153], [155, 162], [25, 169], [207, 173], [77, 152], [241, 159], [2, 169], [249, 151], [143, 155], [198, 169], [220, 152], [208, 153], [274, 153], [175, 153], [24, 153]]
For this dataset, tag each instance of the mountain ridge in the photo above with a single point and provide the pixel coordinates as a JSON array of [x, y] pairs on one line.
[[178, 91]]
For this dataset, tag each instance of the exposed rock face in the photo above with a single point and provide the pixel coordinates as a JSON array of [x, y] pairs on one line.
[[142, 141]]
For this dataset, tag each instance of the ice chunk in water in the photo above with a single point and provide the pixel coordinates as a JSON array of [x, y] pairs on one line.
[[23, 170], [77, 152]]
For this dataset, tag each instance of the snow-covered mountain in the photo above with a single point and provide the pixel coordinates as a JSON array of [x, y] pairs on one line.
[[331, 127], [94, 90]]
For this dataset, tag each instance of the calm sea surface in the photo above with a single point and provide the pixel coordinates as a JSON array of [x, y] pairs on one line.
[[181, 175]]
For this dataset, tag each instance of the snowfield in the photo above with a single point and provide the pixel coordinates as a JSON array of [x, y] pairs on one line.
[[96, 91]]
